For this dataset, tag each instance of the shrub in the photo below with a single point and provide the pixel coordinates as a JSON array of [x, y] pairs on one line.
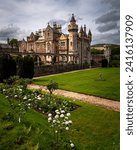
[[115, 63], [25, 67], [7, 67], [52, 86]]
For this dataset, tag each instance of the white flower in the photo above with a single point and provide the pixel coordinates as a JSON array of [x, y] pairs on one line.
[[72, 145], [56, 131], [49, 115], [29, 104], [66, 123], [57, 116], [49, 119], [25, 97], [62, 111], [4, 90], [20, 90], [66, 118], [7, 96], [54, 121], [57, 111], [16, 96], [62, 115], [58, 121], [68, 114], [39, 98], [67, 128], [70, 121]]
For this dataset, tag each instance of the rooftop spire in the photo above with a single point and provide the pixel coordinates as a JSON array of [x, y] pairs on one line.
[[73, 18], [89, 32], [81, 29]]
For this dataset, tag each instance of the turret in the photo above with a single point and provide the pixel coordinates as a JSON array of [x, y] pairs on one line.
[[73, 34], [85, 30], [89, 35], [54, 25], [81, 32], [73, 27], [72, 19]]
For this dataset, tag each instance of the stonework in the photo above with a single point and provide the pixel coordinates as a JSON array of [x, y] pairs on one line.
[[50, 43]]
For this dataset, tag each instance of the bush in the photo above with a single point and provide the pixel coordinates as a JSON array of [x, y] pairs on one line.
[[115, 63], [25, 67], [7, 67], [52, 86]]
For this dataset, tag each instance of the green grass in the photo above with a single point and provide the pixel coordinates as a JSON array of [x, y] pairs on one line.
[[88, 82], [93, 128]]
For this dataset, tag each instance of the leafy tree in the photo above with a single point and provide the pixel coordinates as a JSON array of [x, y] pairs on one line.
[[52, 86], [14, 43], [96, 51]]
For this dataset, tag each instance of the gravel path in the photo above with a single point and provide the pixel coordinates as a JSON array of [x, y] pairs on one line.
[[110, 104]]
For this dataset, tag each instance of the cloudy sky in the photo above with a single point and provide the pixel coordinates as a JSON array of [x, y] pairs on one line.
[[20, 17]]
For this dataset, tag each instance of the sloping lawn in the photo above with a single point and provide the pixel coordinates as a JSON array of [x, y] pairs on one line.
[[102, 82], [93, 128]]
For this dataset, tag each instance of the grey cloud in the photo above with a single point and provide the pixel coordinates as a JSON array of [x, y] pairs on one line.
[[10, 31], [107, 27], [58, 21], [30, 15], [114, 4], [109, 17], [107, 38]]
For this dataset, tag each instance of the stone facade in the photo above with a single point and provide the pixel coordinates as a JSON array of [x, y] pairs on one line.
[[50, 44]]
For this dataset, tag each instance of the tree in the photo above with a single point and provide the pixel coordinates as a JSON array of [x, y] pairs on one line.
[[52, 86], [14, 43]]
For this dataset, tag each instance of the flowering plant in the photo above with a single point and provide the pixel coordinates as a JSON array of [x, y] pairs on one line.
[[60, 122]]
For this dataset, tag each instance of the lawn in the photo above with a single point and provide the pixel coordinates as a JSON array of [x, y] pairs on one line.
[[102, 82], [93, 128]]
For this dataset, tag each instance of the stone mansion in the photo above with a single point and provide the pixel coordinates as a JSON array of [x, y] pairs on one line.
[[50, 44]]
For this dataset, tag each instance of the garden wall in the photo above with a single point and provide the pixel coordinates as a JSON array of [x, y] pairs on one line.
[[52, 69]]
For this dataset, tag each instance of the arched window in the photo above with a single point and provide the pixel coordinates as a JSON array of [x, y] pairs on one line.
[[48, 47]]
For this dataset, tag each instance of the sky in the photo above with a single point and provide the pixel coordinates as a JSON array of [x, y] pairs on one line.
[[18, 18]]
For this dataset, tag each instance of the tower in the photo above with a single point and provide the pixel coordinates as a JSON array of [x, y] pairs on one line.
[[89, 35], [73, 34]]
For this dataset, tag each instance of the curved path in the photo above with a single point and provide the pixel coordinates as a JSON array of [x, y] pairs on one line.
[[110, 104]]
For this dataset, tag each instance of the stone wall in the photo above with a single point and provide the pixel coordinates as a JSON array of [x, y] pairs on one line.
[[53, 69]]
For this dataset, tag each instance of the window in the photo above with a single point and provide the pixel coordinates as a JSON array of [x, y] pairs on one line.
[[48, 47], [70, 43], [62, 43]]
